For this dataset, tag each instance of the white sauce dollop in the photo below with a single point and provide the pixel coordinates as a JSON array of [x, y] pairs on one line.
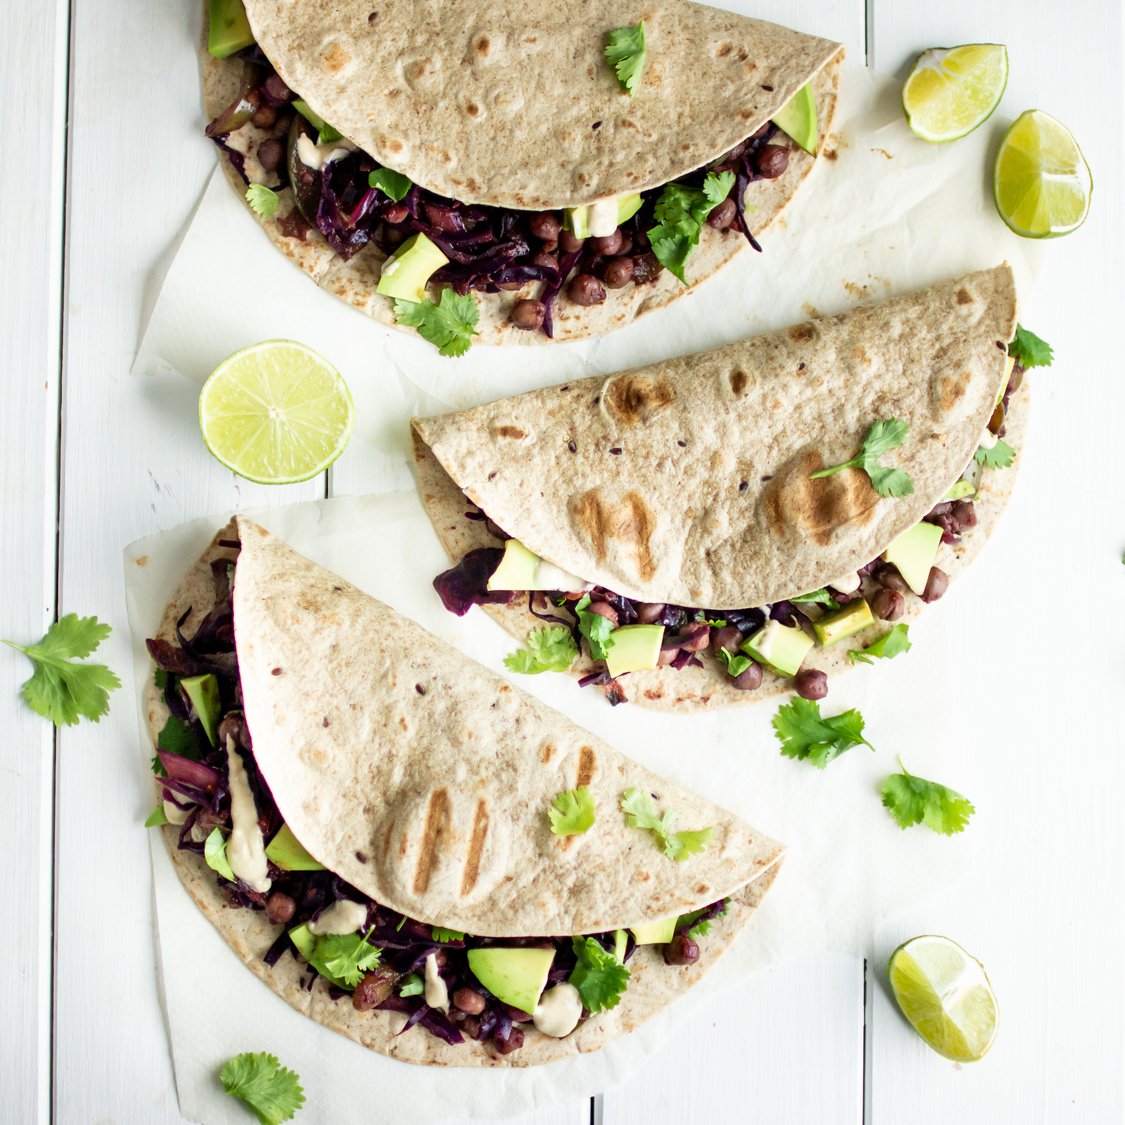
[[342, 917], [246, 851], [988, 439], [173, 812], [603, 217], [558, 1011], [848, 584], [551, 577], [315, 156], [437, 992]]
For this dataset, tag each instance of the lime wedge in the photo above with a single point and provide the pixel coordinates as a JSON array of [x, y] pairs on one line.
[[945, 995], [1041, 182], [797, 118], [276, 412], [952, 90]]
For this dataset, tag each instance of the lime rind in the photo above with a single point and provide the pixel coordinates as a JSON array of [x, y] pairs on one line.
[[952, 91]]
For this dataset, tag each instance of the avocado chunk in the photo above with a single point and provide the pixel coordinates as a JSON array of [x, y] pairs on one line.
[[960, 490], [620, 944], [228, 29], [591, 220], [913, 552], [845, 622], [325, 132], [780, 647], [515, 976], [656, 933], [635, 648], [517, 569], [797, 118], [287, 852], [406, 272], [1007, 375], [203, 691], [627, 206]]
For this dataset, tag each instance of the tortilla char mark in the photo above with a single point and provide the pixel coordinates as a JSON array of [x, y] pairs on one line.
[[471, 870], [633, 399], [630, 523], [796, 507], [433, 835]]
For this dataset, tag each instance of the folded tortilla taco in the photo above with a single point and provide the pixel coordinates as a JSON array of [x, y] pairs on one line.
[[491, 151], [744, 521], [388, 834]]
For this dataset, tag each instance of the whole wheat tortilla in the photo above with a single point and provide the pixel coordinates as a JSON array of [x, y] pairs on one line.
[[354, 281], [692, 689], [363, 782]]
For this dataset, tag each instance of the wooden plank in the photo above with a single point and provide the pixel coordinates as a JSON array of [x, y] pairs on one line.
[[33, 90]]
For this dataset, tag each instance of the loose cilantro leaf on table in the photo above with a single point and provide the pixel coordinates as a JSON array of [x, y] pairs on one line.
[[804, 734], [271, 1090], [1030, 350], [998, 456], [640, 812], [60, 689], [914, 800], [263, 201], [215, 855], [392, 184], [626, 51], [884, 435], [599, 977], [347, 957], [411, 985], [680, 214], [551, 649], [886, 647], [596, 629], [449, 325], [736, 663], [572, 812], [440, 934]]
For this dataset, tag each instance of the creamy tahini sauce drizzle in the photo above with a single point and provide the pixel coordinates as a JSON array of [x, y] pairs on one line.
[[558, 1011], [848, 584], [342, 917], [603, 217], [315, 156], [246, 850], [437, 992], [551, 577], [173, 812]]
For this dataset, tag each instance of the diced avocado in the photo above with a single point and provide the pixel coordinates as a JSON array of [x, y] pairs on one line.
[[203, 691], [1007, 375], [620, 944], [306, 942], [228, 30], [577, 221], [635, 648], [913, 552], [325, 132], [288, 853], [627, 206], [656, 933], [583, 221], [845, 622], [780, 647], [515, 976], [797, 118], [406, 272], [960, 490], [517, 569]]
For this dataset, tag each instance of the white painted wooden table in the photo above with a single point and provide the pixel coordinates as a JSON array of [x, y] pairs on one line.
[[103, 160]]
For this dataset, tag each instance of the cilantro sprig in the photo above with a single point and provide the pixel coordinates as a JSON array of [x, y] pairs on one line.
[[807, 736], [271, 1090], [626, 51], [997, 456], [596, 629], [914, 800], [263, 201], [888, 646], [701, 929], [439, 933], [449, 325], [1030, 350], [640, 812], [599, 977], [411, 985], [346, 957], [680, 214], [572, 812], [550, 649], [735, 663], [884, 435], [392, 184], [60, 688], [816, 597]]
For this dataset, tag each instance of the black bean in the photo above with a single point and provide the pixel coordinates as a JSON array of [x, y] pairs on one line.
[[749, 679], [585, 289], [470, 1027], [723, 215], [469, 1001], [608, 244], [646, 267], [280, 908], [265, 116], [277, 89], [513, 1043], [889, 577], [528, 315], [772, 160], [887, 604], [396, 213], [965, 514], [617, 272], [667, 656], [812, 683], [545, 226], [626, 243], [604, 609], [516, 1015], [568, 244], [936, 585], [726, 636], [510, 286], [681, 950], [547, 261], [648, 613], [270, 154], [696, 636]]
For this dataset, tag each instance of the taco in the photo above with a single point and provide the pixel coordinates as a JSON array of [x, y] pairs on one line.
[[491, 152], [389, 835], [727, 525]]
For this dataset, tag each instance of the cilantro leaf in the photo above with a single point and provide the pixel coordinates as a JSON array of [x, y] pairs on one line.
[[158, 767], [816, 597], [702, 929], [640, 812], [263, 201], [805, 735], [735, 664], [572, 812], [599, 977], [1030, 350], [178, 737], [390, 183], [346, 957], [215, 853], [625, 51], [449, 325], [550, 649], [889, 645], [998, 456], [271, 1090], [595, 628], [440, 934], [61, 689], [680, 214], [884, 435], [411, 985], [914, 800], [157, 817]]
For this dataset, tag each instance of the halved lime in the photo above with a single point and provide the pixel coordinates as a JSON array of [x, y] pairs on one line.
[[276, 412], [952, 90], [945, 995], [1041, 181], [797, 118]]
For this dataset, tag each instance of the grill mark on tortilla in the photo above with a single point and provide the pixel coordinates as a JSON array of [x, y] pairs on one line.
[[952, 388], [437, 821], [637, 398], [795, 506], [513, 432], [547, 753], [964, 297], [476, 847], [738, 380], [587, 759], [801, 333], [336, 58], [631, 522]]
